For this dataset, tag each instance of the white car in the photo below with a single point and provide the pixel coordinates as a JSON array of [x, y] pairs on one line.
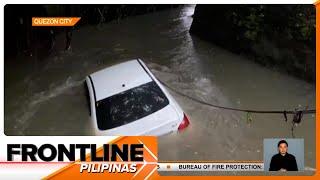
[[126, 99]]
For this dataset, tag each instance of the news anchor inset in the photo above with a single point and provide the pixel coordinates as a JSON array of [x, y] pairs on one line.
[[283, 161]]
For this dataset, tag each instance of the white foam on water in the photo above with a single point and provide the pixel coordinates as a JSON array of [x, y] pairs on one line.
[[31, 105]]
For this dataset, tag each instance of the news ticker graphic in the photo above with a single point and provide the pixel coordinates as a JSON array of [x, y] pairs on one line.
[[128, 157], [113, 167], [211, 166], [55, 21]]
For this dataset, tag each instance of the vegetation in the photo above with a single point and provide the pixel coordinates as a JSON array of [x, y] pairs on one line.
[[274, 35]]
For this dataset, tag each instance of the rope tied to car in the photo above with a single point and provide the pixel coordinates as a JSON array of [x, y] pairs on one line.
[[297, 113]]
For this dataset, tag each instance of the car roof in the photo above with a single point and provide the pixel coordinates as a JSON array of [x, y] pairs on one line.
[[118, 78]]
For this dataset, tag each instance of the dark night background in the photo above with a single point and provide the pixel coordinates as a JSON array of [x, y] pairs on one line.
[[280, 36]]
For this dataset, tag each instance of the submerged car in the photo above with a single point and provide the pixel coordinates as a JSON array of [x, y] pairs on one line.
[[127, 99]]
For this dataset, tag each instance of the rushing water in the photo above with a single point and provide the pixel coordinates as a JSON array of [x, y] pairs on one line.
[[46, 96]]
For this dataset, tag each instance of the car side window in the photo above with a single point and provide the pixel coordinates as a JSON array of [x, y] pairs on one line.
[[86, 91]]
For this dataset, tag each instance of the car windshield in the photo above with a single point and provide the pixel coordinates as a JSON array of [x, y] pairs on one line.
[[130, 105]]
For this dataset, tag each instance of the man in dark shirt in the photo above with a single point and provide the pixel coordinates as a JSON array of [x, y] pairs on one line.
[[283, 161]]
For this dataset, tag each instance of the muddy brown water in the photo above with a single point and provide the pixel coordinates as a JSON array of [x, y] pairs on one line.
[[46, 96]]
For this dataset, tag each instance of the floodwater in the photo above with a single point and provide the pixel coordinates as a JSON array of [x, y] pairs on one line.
[[46, 96]]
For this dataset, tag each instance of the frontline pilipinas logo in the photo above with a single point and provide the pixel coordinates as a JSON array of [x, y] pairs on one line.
[[110, 152], [132, 157]]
